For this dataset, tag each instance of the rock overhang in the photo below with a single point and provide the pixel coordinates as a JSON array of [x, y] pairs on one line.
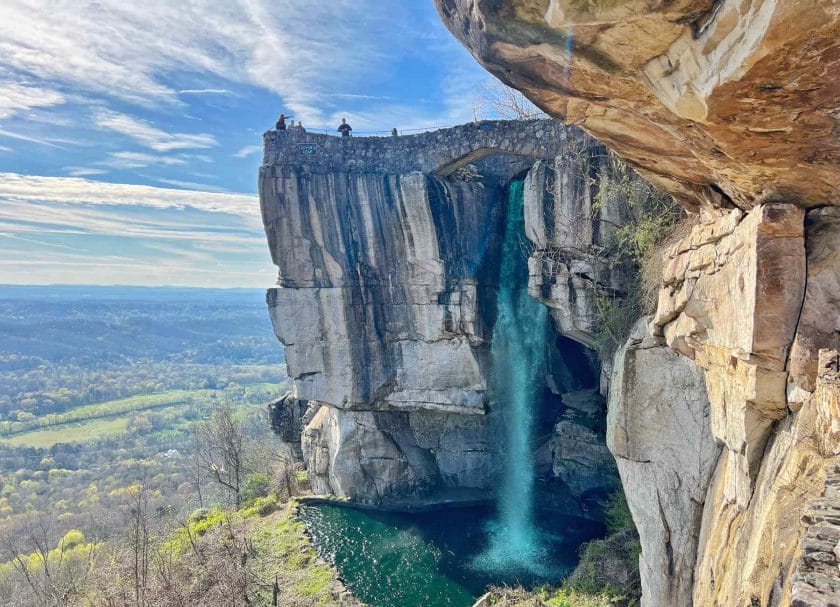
[[718, 102]]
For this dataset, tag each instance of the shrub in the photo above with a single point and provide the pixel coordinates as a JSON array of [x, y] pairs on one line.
[[640, 244], [617, 513], [255, 485]]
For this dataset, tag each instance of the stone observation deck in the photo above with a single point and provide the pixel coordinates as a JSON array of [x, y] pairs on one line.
[[440, 152]]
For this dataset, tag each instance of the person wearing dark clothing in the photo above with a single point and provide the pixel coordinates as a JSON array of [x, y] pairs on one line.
[[281, 122], [344, 128]]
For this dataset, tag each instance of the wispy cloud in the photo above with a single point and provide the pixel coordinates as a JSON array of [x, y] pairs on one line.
[[84, 171], [300, 50], [39, 140], [201, 157], [205, 92], [192, 185], [357, 96], [247, 151], [16, 97], [172, 87], [62, 229], [79, 190], [138, 160], [152, 137]]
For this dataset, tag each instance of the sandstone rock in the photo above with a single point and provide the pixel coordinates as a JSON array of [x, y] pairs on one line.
[[730, 300], [659, 431], [386, 296], [378, 306], [372, 456], [730, 106], [819, 320], [752, 551], [579, 455], [288, 415], [715, 100]]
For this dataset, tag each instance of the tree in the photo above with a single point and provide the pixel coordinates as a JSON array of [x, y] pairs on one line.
[[220, 449], [37, 573], [496, 100]]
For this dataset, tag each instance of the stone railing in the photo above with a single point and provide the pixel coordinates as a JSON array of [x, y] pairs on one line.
[[440, 152]]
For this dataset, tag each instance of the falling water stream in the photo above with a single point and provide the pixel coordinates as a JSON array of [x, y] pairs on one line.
[[518, 365]]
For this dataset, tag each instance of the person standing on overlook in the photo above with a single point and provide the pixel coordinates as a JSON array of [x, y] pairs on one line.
[[344, 128], [281, 122]]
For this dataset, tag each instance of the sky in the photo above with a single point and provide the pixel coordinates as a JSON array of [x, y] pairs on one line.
[[130, 132]]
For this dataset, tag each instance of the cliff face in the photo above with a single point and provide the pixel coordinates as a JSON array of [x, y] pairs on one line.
[[388, 271], [731, 106], [571, 220]]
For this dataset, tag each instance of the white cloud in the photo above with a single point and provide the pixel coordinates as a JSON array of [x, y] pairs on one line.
[[78, 190], [298, 49], [54, 143], [83, 171], [16, 97], [205, 92], [3, 148], [149, 136], [61, 229], [356, 96], [138, 160], [192, 185], [201, 157], [248, 150]]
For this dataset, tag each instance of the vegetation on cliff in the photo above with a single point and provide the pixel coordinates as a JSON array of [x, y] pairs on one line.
[[653, 218]]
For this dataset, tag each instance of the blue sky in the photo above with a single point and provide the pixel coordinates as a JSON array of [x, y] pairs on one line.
[[130, 132]]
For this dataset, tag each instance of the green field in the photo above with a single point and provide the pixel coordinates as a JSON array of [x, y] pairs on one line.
[[97, 420], [70, 433], [109, 408]]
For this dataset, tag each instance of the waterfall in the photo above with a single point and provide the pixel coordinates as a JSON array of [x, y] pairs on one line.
[[518, 366]]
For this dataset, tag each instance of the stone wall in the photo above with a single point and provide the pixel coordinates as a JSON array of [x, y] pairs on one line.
[[441, 152]]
